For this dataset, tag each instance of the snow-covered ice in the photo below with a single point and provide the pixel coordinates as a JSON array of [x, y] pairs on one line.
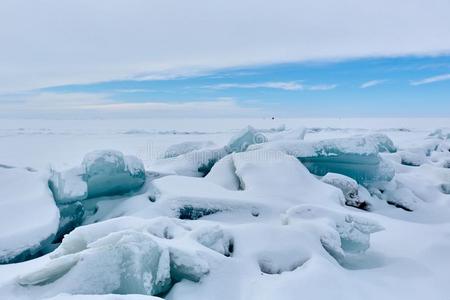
[[225, 209], [28, 214]]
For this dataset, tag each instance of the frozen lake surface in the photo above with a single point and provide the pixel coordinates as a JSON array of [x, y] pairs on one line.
[[213, 209]]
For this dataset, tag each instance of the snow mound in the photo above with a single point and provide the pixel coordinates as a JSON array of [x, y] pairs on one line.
[[245, 182], [223, 173], [350, 234], [413, 158], [28, 214]]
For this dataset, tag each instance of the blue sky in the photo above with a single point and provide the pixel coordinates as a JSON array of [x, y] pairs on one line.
[[169, 58], [402, 86]]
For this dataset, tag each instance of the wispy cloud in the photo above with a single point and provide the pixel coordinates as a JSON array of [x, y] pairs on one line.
[[132, 91], [86, 105], [431, 79], [279, 85], [372, 83], [321, 87]]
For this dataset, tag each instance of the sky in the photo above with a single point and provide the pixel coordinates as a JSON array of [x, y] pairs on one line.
[[148, 58]]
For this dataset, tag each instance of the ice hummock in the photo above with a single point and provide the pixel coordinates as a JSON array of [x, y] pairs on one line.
[[28, 214], [382, 142], [350, 233], [186, 147], [441, 133], [349, 188], [197, 158], [109, 172], [244, 184], [102, 173], [355, 157], [196, 163], [124, 256], [246, 137], [413, 158], [68, 186]]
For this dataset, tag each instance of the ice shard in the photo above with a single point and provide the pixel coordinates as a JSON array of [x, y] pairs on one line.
[[109, 172]]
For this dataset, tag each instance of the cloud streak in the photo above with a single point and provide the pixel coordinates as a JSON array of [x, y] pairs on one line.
[[88, 105], [176, 37], [371, 83], [278, 85], [433, 79]]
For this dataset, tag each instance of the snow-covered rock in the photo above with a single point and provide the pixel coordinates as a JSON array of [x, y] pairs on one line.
[[28, 214]]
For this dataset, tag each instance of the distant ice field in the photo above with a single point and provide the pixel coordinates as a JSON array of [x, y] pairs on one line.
[[63, 143]]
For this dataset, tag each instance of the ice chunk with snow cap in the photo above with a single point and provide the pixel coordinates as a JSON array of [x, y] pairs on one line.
[[109, 172], [351, 234], [186, 147], [348, 186], [196, 163], [441, 133], [215, 238], [103, 173], [28, 214], [121, 256], [68, 186], [382, 142], [122, 262], [443, 146], [246, 137], [355, 157], [413, 158]]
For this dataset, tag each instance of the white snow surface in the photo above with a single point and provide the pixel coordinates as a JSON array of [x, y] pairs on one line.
[[258, 226], [28, 213]]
